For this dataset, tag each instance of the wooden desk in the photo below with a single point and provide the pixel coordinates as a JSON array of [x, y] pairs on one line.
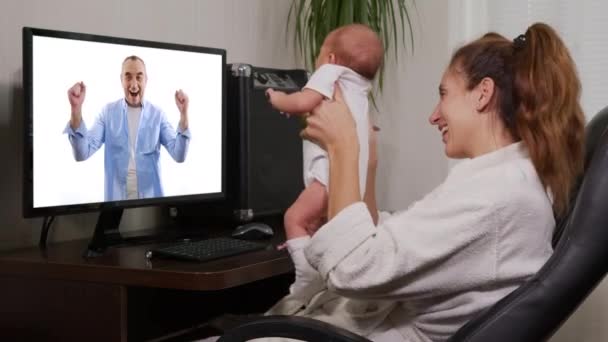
[[58, 295]]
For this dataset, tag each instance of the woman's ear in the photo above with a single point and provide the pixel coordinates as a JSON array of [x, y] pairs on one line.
[[485, 92]]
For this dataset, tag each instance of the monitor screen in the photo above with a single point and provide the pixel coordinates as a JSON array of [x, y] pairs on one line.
[[114, 122]]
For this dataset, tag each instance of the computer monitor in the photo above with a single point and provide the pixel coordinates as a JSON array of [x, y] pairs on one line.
[[139, 142]]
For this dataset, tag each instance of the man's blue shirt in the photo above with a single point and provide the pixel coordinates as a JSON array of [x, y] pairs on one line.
[[111, 128]]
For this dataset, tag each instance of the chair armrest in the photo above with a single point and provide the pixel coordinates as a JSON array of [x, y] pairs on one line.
[[301, 328]]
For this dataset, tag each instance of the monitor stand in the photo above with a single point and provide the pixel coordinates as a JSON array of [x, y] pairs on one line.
[[106, 233]]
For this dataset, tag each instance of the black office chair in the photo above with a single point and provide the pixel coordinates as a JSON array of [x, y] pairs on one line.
[[535, 310]]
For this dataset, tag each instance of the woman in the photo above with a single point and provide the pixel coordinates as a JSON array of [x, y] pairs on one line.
[[511, 109]]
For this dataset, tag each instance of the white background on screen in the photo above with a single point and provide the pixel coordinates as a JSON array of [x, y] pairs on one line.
[[59, 63]]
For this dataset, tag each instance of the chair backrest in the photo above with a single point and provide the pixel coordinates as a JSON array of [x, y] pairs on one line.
[[594, 131], [537, 309]]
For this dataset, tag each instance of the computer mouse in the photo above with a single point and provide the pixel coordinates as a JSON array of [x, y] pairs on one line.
[[253, 231]]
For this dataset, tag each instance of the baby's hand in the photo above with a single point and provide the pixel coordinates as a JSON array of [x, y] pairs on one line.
[[269, 93], [272, 94]]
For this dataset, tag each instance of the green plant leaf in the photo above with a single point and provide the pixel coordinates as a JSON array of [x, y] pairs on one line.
[[313, 20]]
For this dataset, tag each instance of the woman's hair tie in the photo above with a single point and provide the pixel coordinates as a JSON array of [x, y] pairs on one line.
[[519, 42]]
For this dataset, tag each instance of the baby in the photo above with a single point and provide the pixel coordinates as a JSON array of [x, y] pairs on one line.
[[350, 56]]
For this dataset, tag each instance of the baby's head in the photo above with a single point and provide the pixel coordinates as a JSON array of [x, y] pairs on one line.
[[355, 46]]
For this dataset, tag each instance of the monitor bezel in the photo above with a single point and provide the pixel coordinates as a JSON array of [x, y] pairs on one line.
[[29, 210]]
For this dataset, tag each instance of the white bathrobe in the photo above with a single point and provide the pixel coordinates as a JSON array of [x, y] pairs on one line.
[[425, 271]]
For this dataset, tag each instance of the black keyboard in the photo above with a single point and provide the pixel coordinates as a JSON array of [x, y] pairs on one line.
[[205, 250]]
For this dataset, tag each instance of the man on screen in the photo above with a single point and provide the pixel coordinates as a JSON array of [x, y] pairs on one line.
[[132, 130]]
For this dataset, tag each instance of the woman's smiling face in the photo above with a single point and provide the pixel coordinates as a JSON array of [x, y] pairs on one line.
[[455, 115]]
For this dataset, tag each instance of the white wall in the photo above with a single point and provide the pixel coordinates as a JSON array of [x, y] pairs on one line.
[[411, 157], [588, 323], [252, 31]]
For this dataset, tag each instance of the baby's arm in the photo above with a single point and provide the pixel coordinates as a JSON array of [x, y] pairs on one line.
[[295, 103]]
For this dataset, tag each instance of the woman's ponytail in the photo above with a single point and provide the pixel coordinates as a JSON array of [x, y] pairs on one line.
[[548, 115]]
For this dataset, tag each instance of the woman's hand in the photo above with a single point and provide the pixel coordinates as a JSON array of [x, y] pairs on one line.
[[331, 126]]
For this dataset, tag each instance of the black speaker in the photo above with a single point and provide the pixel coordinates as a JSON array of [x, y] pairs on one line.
[[265, 148]]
